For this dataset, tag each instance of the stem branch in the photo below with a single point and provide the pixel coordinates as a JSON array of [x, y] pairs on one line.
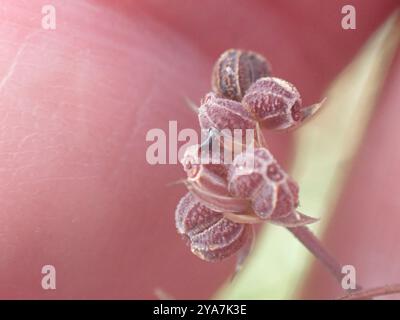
[[373, 292], [311, 242]]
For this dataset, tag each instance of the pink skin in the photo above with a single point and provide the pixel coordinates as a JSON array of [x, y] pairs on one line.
[[76, 104]]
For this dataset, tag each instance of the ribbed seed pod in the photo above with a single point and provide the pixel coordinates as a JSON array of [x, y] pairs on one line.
[[209, 235], [235, 71], [274, 102], [225, 116]]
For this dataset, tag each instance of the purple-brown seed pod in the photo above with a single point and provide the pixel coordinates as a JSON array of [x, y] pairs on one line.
[[210, 235], [273, 102], [234, 72], [276, 104], [274, 195], [225, 116]]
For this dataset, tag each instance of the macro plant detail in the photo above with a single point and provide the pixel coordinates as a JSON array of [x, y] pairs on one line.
[[111, 188], [231, 191], [226, 198]]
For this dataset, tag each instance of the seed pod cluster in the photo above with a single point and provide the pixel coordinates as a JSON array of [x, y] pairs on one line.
[[235, 71], [245, 77], [225, 199]]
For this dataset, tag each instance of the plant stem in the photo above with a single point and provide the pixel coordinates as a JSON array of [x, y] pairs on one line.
[[311, 242], [373, 292]]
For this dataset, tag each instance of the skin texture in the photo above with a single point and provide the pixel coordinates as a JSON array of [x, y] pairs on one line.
[[76, 103]]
